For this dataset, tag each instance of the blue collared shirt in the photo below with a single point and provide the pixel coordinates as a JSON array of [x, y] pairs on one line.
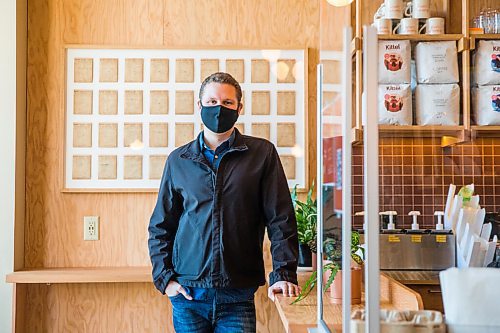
[[214, 157], [226, 295]]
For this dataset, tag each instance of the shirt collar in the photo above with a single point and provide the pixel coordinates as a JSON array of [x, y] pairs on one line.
[[229, 142]]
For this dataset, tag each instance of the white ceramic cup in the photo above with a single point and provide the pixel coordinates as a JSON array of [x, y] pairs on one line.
[[433, 26], [418, 9], [384, 26], [393, 9], [407, 26]]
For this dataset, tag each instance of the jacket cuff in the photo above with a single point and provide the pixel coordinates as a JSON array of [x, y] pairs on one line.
[[282, 276], [162, 281]]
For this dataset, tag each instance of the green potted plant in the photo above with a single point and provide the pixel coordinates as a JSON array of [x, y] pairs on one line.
[[333, 265], [306, 216]]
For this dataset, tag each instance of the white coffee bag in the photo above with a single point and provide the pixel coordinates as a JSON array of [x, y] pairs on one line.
[[486, 105], [394, 61], [437, 62], [486, 62], [437, 104], [394, 104]]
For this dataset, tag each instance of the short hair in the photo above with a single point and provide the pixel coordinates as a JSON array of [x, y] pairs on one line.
[[221, 77]]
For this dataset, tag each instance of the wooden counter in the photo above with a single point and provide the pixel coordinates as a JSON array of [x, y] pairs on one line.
[[82, 275], [299, 317]]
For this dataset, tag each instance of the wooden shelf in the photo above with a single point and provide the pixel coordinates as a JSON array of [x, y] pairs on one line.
[[82, 275], [485, 131], [422, 37], [419, 131], [473, 38]]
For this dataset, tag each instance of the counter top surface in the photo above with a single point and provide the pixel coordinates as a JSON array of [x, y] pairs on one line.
[[81, 275], [299, 317]]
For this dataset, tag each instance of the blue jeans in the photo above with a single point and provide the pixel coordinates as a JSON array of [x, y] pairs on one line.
[[209, 316]]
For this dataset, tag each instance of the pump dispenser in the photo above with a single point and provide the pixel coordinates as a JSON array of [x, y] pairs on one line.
[[361, 213], [414, 214], [439, 225], [391, 225]]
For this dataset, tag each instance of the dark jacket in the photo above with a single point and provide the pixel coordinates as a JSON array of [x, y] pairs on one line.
[[207, 228]]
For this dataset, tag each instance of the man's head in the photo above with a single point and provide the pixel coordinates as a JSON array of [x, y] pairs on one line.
[[220, 89], [220, 102]]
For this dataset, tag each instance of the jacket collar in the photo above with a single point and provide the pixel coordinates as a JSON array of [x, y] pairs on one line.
[[193, 149]]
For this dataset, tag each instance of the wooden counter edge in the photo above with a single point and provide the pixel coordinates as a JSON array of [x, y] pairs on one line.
[[393, 294], [81, 275]]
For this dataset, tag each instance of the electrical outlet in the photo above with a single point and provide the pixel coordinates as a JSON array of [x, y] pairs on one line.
[[91, 228]]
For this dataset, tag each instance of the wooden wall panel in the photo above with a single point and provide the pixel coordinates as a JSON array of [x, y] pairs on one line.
[[240, 23], [115, 307], [332, 20], [54, 219], [90, 21], [99, 307]]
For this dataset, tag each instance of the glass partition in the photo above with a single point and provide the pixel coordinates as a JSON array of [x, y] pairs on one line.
[[333, 184]]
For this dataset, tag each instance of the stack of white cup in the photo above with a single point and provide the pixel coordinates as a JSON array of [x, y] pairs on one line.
[[408, 17]]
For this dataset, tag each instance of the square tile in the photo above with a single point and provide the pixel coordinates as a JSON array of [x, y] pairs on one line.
[[132, 167], [288, 162], [159, 70], [133, 102], [82, 167], [108, 70], [184, 133], [184, 70], [158, 102], [82, 135], [286, 103], [132, 133], [82, 102], [156, 166], [240, 127], [158, 135], [107, 167], [286, 135], [83, 70], [184, 102], [260, 71], [236, 67], [134, 70], [108, 102], [261, 103], [261, 130], [331, 71], [285, 72], [332, 103], [108, 135], [208, 67]]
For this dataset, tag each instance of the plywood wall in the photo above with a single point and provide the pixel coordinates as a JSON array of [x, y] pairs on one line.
[[54, 220]]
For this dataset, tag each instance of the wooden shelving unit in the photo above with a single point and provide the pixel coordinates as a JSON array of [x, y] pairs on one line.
[[485, 131], [423, 37], [474, 38], [451, 10]]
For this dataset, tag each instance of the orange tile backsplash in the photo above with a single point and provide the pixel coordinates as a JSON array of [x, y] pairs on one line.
[[415, 174]]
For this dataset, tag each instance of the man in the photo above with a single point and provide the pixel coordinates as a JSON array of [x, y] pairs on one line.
[[217, 195]]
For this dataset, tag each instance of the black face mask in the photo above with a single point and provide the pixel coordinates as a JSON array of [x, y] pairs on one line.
[[218, 119]]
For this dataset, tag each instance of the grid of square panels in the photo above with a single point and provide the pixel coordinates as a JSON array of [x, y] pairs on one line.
[[127, 110]]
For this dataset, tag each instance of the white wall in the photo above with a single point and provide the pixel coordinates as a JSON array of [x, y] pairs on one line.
[[7, 155]]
